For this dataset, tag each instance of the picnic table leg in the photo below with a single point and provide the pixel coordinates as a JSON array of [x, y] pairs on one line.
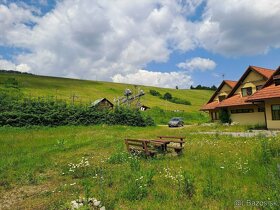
[[181, 144], [127, 146], [145, 147]]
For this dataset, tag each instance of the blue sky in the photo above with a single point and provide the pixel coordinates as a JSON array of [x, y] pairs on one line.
[[151, 42]]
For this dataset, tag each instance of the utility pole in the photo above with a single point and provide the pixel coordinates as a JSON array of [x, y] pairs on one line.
[[73, 97]]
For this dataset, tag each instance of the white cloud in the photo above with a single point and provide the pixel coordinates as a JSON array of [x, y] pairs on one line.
[[8, 65], [240, 27], [98, 39], [197, 63], [158, 79]]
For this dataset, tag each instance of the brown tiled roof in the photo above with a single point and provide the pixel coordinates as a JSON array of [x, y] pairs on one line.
[[210, 106], [230, 83], [271, 91], [235, 100], [264, 71], [267, 73]]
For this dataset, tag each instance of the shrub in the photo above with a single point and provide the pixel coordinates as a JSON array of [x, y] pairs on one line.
[[167, 96], [42, 112], [224, 116], [155, 93], [180, 101], [11, 83]]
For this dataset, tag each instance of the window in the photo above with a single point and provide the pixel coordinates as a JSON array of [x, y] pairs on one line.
[[275, 109], [215, 115], [259, 87], [238, 111], [246, 91], [276, 80], [221, 98], [261, 109]]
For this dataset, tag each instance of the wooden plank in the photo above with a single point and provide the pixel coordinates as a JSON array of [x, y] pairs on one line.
[[135, 144], [139, 140], [172, 137], [169, 140]]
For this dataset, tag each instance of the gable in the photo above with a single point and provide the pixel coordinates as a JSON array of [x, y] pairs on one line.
[[224, 91], [252, 79]]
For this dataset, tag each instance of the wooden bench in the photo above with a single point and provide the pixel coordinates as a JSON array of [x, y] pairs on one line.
[[147, 146], [174, 139]]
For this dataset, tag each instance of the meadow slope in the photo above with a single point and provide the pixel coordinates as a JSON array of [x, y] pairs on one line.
[[88, 91]]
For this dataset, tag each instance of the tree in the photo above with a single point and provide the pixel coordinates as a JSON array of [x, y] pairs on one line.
[[177, 87], [213, 87], [167, 96]]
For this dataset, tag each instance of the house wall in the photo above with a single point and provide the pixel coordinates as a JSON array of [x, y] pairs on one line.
[[254, 118], [252, 80], [271, 124], [224, 91]]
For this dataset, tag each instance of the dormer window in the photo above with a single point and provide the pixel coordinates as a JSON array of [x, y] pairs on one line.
[[221, 98], [258, 87], [246, 91], [276, 80]]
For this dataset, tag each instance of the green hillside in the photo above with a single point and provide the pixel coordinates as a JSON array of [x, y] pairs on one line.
[[88, 91]]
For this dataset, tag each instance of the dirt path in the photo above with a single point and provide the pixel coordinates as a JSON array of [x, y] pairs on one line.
[[243, 134], [11, 199]]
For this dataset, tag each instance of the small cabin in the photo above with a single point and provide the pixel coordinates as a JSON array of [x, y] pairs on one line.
[[144, 108], [102, 103]]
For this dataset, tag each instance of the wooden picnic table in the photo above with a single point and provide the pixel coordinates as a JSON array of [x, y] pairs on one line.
[[151, 146]]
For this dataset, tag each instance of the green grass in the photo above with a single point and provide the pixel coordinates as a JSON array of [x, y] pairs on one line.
[[34, 168], [89, 91]]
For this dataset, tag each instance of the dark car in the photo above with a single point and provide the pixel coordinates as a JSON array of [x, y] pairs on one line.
[[176, 122]]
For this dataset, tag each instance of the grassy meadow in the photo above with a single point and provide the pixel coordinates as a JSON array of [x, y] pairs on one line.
[[47, 168]]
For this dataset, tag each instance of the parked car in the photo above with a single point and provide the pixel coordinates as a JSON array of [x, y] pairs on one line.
[[176, 122]]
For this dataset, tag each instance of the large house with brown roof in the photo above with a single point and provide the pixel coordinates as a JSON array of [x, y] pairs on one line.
[[253, 100]]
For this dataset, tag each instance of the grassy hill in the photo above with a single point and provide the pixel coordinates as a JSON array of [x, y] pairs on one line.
[[88, 91]]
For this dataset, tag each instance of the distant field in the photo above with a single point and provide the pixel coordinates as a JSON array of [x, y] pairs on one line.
[[214, 171], [88, 91]]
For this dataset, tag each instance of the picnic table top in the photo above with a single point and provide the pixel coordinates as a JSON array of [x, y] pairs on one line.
[[156, 140], [172, 137]]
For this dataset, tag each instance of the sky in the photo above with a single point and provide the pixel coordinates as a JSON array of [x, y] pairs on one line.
[[164, 43]]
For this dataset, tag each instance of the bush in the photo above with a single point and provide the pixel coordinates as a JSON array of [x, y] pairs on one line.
[[11, 83], [167, 96], [155, 93], [180, 101], [224, 116], [40, 112]]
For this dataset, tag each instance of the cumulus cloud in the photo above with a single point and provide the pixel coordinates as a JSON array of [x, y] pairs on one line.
[[240, 27], [158, 79], [98, 39], [197, 63], [8, 65]]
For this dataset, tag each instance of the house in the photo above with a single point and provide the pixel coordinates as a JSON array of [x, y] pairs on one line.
[[102, 103], [220, 94], [269, 97], [244, 102]]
